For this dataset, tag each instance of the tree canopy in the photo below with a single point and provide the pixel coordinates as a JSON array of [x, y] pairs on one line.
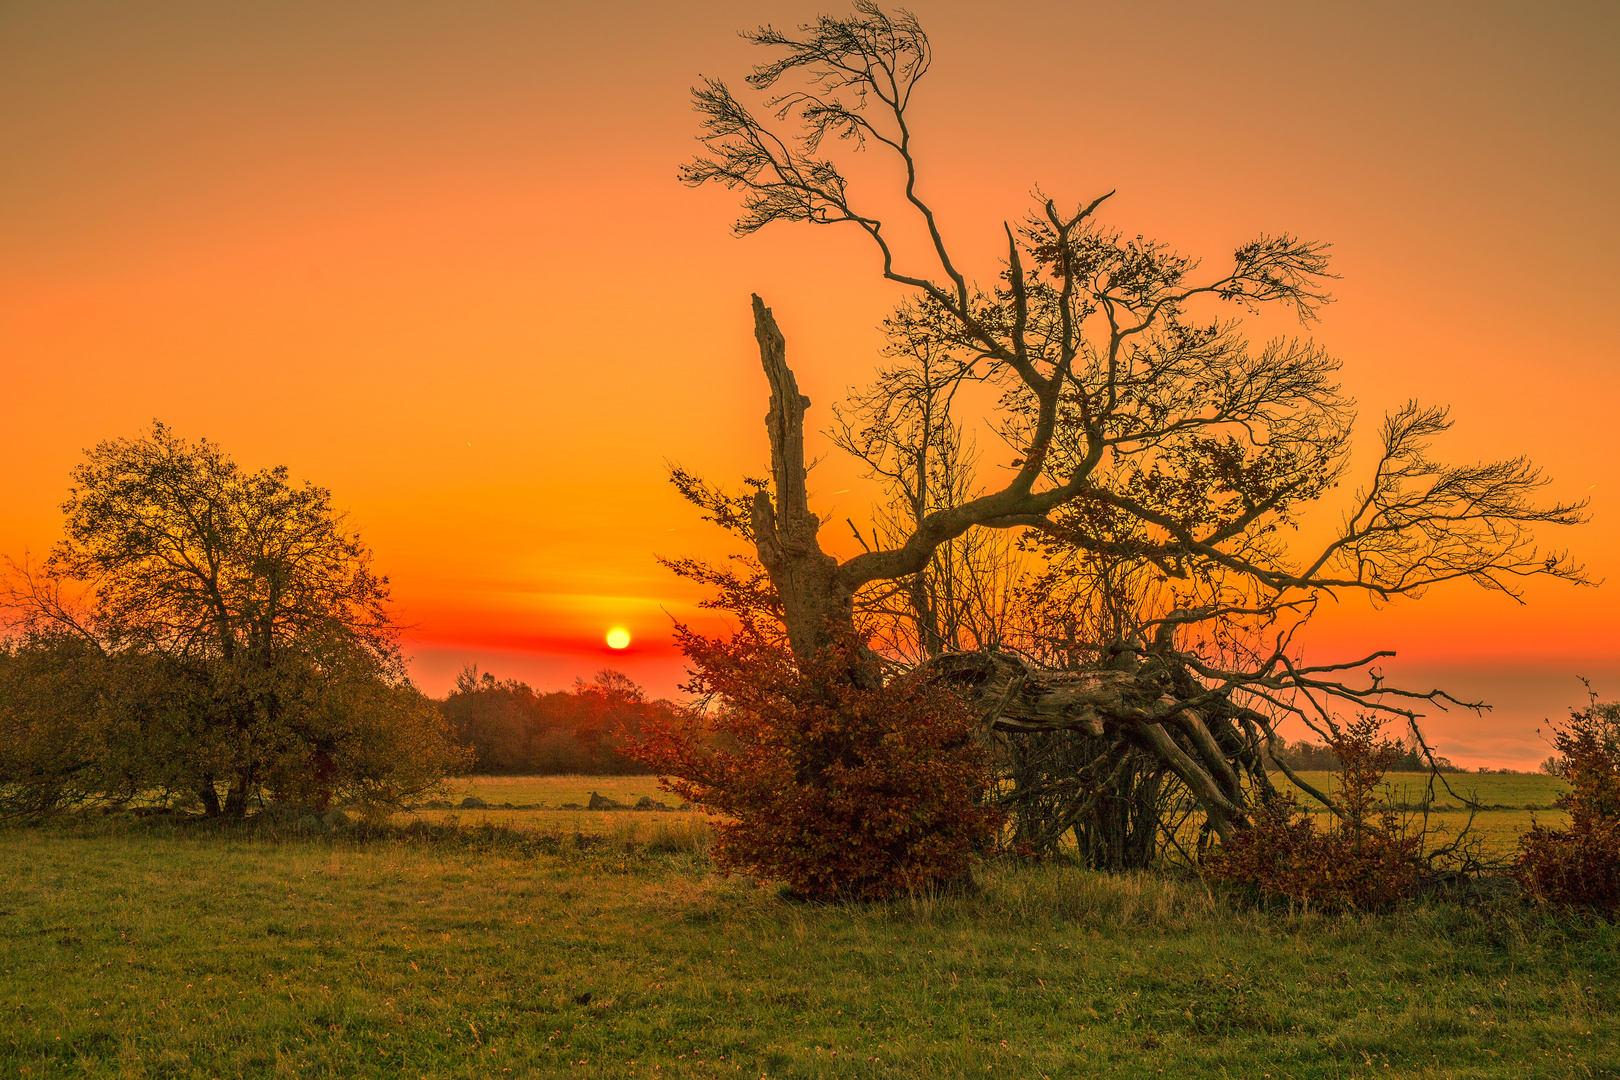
[[232, 633]]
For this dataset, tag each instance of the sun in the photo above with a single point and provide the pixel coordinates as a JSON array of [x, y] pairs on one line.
[[617, 638]]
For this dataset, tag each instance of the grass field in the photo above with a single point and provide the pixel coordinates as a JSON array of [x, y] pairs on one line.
[[1509, 805], [1491, 790], [1513, 802], [557, 791], [538, 802], [157, 948], [1517, 792]]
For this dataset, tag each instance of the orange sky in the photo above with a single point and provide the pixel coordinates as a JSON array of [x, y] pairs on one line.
[[435, 258]]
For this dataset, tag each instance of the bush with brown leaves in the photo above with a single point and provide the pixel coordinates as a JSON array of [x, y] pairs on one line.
[[1580, 866], [841, 792], [1365, 859]]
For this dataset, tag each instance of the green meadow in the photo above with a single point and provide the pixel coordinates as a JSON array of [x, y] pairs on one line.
[[605, 945], [1503, 806], [1509, 803], [1455, 791]]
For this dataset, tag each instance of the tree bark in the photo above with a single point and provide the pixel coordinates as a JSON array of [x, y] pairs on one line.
[[816, 603], [209, 796], [236, 799]]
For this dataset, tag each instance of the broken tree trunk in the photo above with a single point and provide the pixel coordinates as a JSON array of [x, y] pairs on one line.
[[818, 606], [1019, 698]]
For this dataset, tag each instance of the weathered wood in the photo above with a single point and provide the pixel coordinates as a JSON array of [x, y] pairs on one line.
[[815, 601], [1022, 698]]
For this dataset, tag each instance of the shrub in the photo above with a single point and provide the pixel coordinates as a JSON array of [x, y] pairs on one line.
[[1580, 865], [839, 791], [72, 724], [82, 724], [1365, 859]]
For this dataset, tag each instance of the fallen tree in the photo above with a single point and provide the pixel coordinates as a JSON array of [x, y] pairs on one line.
[[1158, 458]]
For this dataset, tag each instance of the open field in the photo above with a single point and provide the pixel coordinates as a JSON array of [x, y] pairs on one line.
[[1514, 802], [132, 949], [538, 802], [1492, 790], [1519, 792], [556, 791], [1511, 804]]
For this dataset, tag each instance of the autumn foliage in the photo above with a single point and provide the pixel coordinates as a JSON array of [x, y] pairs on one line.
[[1580, 865], [839, 791], [1365, 859]]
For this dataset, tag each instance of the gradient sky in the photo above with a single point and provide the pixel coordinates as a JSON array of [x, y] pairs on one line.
[[435, 257]]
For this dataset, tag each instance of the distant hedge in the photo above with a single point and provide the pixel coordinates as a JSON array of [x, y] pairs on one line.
[[514, 730], [1319, 757]]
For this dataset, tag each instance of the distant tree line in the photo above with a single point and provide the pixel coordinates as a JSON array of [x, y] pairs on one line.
[[512, 729], [1319, 757]]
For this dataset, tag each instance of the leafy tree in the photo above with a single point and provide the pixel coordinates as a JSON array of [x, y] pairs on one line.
[[268, 660], [76, 722], [1160, 459]]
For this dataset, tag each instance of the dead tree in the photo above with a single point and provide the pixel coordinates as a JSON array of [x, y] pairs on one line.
[[1151, 444]]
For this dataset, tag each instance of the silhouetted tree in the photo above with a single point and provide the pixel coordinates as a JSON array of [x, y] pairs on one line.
[[267, 657], [1159, 458]]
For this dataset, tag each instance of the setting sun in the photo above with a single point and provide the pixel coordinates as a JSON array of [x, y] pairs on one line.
[[618, 639]]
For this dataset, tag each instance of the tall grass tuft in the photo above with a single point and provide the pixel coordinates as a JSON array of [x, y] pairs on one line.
[[656, 834]]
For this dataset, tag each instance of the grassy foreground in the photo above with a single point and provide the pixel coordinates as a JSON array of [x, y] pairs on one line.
[[140, 949]]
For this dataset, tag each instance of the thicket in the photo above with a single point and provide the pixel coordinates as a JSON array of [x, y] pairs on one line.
[[1580, 866], [840, 790], [81, 724], [512, 729]]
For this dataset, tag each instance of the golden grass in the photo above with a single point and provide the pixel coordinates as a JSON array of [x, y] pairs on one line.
[[1497, 830]]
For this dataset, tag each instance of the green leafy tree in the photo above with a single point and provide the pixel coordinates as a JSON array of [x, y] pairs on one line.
[[269, 656]]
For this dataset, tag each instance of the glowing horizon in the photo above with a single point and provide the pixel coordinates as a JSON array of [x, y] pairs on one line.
[[437, 261]]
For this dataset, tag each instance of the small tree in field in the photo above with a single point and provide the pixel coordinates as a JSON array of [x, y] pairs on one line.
[[233, 633], [842, 791]]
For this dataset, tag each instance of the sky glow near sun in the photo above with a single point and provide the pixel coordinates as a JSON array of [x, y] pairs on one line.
[[424, 255]]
